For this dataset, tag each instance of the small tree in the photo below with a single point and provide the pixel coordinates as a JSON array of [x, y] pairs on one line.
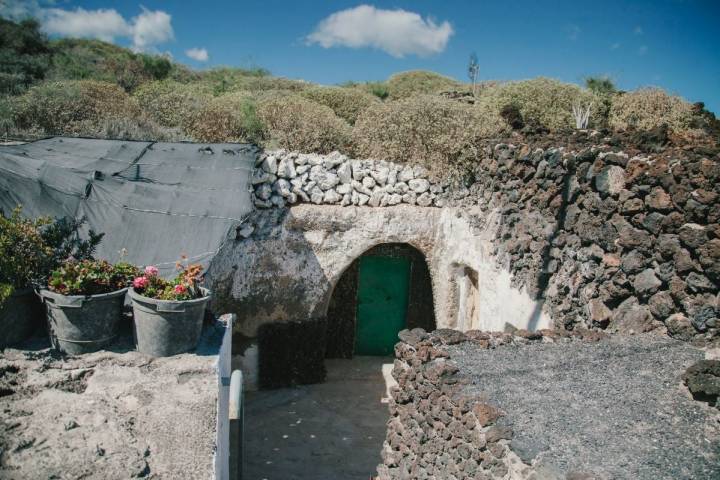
[[473, 71], [600, 85]]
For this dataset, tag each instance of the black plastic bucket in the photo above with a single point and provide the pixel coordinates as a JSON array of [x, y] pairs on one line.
[[19, 317], [82, 324], [165, 327]]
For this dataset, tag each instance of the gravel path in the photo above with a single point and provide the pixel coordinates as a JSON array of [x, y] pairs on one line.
[[615, 408]]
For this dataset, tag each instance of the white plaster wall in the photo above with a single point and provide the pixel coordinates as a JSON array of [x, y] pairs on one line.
[[466, 238]]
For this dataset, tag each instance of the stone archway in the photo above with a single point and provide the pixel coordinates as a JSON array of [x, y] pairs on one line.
[[342, 310]]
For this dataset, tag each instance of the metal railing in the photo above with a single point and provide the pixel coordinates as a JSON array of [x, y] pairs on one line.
[[236, 414]]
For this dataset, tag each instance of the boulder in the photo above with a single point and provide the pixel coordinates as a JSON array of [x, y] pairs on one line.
[[286, 168], [610, 180], [646, 282], [631, 317], [679, 326], [344, 173], [419, 185], [659, 199]]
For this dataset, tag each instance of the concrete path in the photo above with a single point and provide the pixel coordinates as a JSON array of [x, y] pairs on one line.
[[330, 431]]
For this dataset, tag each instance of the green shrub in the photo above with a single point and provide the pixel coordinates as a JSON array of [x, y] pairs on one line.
[[65, 107], [23, 251], [647, 108], [229, 118], [417, 82], [347, 103], [24, 55], [170, 103], [600, 85], [30, 249], [427, 129], [541, 101], [296, 123]]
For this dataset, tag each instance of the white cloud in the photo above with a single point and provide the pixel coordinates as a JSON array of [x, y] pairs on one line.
[[397, 32], [149, 28], [615, 46], [199, 54], [105, 24], [642, 50]]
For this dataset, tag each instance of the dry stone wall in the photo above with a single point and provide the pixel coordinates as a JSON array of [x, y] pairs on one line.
[[607, 239], [599, 237], [282, 178], [439, 430]]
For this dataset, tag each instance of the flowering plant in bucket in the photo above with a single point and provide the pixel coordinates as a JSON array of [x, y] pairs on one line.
[[90, 277], [185, 286]]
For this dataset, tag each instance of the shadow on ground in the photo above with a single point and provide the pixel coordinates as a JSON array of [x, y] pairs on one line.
[[327, 431]]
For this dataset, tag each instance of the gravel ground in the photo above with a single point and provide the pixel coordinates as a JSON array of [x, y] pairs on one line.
[[108, 415], [616, 408]]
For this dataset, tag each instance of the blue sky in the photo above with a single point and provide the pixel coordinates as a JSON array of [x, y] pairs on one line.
[[673, 44]]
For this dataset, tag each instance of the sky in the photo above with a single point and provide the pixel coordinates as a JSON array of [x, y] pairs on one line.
[[673, 44]]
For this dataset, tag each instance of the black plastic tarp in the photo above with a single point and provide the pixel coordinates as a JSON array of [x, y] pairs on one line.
[[156, 201]]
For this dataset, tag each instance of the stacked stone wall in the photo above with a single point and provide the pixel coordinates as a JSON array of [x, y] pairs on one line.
[[603, 238], [438, 430]]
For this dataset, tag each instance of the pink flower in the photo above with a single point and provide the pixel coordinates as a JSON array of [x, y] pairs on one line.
[[151, 270], [140, 282], [180, 289]]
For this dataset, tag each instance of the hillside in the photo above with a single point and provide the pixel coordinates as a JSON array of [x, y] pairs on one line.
[[96, 89]]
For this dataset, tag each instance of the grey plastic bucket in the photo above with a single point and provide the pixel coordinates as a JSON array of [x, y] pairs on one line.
[[165, 327], [83, 324], [20, 316]]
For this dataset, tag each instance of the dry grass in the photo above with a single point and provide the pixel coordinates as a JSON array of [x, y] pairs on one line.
[[68, 107], [541, 101], [648, 108], [296, 123], [347, 103], [228, 118], [426, 129], [418, 82], [170, 103]]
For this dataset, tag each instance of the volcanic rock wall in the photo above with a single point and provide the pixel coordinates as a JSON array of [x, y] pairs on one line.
[[437, 429], [608, 239], [595, 236]]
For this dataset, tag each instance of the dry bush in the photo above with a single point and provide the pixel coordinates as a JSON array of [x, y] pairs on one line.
[[228, 118], [170, 103], [430, 130], [347, 103], [140, 128], [296, 123], [64, 107], [647, 108], [541, 101], [417, 82]]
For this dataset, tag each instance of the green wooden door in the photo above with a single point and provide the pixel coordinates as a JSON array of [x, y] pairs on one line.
[[382, 301]]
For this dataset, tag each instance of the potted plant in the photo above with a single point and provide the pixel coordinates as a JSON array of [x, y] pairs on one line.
[[29, 250], [84, 303], [23, 254], [168, 313]]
